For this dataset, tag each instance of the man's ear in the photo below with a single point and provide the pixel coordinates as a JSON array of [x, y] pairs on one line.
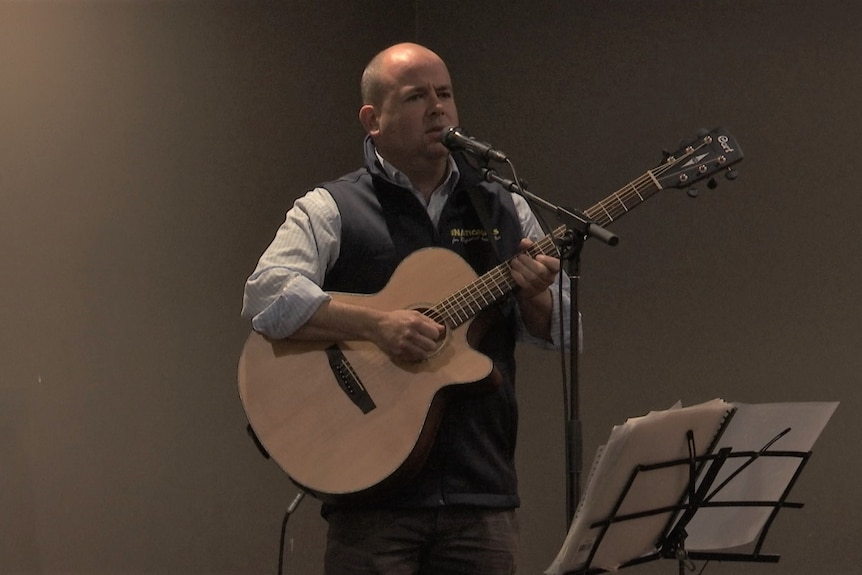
[[369, 119]]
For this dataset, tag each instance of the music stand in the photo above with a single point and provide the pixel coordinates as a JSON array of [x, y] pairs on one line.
[[697, 506], [671, 543]]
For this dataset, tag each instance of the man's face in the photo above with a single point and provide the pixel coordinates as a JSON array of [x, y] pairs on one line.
[[417, 104]]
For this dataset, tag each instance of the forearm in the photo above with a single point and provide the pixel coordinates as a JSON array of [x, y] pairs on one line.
[[402, 334], [338, 321]]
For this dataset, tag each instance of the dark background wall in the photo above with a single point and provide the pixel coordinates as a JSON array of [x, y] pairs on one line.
[[148, 151]]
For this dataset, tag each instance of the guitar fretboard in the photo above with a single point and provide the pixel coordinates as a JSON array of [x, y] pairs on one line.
[[487, 289], [624, 199], [497, 283]]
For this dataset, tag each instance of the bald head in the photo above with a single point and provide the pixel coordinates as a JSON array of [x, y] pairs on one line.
[[381, 72], [407, 103]]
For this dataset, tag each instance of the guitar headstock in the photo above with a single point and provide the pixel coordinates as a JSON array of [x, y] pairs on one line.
[[712, 152]]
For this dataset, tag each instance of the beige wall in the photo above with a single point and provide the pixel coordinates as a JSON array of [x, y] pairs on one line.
[[148, 150]]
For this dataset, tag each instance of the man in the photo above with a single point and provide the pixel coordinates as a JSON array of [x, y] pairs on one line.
[[458, 514]]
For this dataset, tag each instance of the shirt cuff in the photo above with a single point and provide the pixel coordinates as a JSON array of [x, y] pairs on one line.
[[294, 306]]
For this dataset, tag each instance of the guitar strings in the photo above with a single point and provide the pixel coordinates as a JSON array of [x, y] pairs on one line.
[[637, 189], [496, 283], [487, 289]]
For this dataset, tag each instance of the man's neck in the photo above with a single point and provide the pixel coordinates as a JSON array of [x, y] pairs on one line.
[[424, 177]]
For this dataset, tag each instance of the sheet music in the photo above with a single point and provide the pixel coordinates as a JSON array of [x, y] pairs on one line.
[[661, 437], [654, 438], [752, 428]]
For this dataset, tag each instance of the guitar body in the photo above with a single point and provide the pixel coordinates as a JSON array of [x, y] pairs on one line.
[[313, 428]]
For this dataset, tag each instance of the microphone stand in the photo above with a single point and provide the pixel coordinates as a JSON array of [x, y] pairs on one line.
[[580, 228]]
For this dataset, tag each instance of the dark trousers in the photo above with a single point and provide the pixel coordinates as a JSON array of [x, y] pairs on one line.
[[442, 541]]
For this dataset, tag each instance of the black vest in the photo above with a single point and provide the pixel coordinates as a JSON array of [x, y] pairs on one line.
[[472, 461]]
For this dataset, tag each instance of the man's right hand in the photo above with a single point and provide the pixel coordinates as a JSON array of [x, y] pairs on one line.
[[402, 334], [408, 335]]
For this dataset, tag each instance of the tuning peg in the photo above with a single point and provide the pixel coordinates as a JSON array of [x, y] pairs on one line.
[[731, 174], [712, 184]]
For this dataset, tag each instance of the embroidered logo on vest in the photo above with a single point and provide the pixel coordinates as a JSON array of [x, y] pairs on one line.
[[463, 236]]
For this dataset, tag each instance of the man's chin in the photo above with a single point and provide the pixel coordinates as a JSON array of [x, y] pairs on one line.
[[436, 148]]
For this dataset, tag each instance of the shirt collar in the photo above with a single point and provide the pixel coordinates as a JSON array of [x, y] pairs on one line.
[[398, 177]]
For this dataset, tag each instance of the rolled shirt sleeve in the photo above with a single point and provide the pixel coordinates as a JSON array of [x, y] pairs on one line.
[[284, 290]]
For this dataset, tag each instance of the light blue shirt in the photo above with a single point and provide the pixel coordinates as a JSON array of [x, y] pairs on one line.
[[284, 290]]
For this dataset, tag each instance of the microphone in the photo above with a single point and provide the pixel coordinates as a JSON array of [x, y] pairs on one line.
[[455, 139]]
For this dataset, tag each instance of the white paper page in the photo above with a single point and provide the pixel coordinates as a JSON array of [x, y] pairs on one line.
[[654, 438], [751, 429]]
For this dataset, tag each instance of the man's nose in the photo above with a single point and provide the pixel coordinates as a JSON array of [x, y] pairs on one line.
[[435, 106]]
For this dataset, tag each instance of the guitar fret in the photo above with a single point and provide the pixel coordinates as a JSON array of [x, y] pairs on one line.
[[635, 189], [620, 200], [460, 313], [602, 205], [505, 281], [489, 288], [636, 186], [439, 315], [640, 189], [464, 305], [436, 315], [453, 317]]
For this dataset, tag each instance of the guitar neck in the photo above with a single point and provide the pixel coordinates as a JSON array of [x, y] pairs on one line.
[[497, 283], [489, 288], [625, 199], [713, 151]]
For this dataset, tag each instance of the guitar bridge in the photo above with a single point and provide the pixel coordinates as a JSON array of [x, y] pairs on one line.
[[347, 379]]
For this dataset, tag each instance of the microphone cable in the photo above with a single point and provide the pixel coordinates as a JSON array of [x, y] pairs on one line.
[[290, 509]]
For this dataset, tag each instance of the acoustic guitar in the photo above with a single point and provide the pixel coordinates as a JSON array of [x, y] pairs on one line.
[[344, 420]]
